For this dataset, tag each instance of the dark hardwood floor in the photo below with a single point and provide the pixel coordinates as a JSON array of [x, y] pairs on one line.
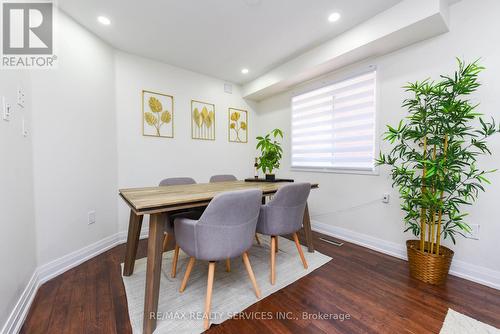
[[373, 288]]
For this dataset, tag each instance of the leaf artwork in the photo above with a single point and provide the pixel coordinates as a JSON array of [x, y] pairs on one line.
[[433, 162], [198, 119], [155, 105], [150, 118], [237, 125], [206, 117], [166, 117], [235, 116], [211, 116], [157, 116], [204, 121]]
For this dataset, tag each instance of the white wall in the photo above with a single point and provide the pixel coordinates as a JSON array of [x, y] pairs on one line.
[[74, 137], [144, 161], [17, 239], [354, 201]]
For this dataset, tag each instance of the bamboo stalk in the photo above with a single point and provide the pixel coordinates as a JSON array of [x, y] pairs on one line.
[[440, 214], [432, 228], [438, 234], [429, 232], [433, 222], [423, 212]]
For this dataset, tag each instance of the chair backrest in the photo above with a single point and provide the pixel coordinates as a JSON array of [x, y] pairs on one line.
[[227, 226], [285, 212], [175, 181], [223, 178]]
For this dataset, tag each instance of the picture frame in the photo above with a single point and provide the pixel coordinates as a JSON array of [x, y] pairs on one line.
[[237, 125], [202, 120], [157, 114]]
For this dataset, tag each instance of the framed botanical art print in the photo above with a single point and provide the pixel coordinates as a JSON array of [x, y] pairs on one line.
[[202, 120], [238, 125], [157, 114]]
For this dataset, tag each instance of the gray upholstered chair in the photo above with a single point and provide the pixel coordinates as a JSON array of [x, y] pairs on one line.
[[223, 178], [169, 229], [175, 181], [283, 215], [225, 230]]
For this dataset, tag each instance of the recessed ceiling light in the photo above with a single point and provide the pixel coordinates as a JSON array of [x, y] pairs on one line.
[[104, 20], [245, 71], [253, 2], [334, 17]]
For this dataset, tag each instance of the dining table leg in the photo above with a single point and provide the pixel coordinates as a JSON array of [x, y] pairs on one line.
[[134, 231], [306, 224], [153, 270]]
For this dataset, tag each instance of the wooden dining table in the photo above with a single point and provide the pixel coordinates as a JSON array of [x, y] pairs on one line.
[[159, 203]]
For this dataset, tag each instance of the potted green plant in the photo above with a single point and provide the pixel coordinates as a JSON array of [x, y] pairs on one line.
[[271, 153], [433, 165]]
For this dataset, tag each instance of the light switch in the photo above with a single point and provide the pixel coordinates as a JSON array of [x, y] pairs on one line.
[[386, 198], [21, 98], [91, 217], [25, 128], [6, 110]]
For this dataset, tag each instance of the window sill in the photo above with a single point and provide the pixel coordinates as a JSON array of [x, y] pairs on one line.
[[374, 172]]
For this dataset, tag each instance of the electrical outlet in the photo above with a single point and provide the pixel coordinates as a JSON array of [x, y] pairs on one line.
[[386, 198], [25, 128], [20, 97], [91, 217], [6, 110], [474, 232]]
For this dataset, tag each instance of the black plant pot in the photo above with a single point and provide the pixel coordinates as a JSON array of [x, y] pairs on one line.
[[270, 177]]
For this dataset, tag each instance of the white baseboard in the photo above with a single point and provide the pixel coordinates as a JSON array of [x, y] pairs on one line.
[[122, 236], [18, 314], [54, 268], [458, 268]]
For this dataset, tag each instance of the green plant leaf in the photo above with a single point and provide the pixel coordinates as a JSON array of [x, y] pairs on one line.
[[271, 151]]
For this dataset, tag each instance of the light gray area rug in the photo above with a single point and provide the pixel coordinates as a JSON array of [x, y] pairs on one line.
[[458, 323], [232, 291]]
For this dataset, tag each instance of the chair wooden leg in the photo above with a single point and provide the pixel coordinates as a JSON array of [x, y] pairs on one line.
[[208, 300], [188, 272], [228, 265], [250, 273], [174, 261], [307, 230], [166, 241], [299, 248], [277, 247], [273, 260], [257, 239]]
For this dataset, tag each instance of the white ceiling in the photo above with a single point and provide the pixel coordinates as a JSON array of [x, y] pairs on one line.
[[220, 37]]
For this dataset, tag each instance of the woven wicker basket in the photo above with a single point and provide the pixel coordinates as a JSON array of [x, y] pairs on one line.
[[429, 268]]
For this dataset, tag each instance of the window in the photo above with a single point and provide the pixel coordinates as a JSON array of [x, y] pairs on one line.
[[333, 127]]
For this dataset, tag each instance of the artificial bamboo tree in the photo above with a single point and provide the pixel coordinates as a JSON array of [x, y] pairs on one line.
[[433, 162]]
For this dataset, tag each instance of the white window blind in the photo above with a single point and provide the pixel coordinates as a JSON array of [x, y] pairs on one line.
[[333, 127]]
